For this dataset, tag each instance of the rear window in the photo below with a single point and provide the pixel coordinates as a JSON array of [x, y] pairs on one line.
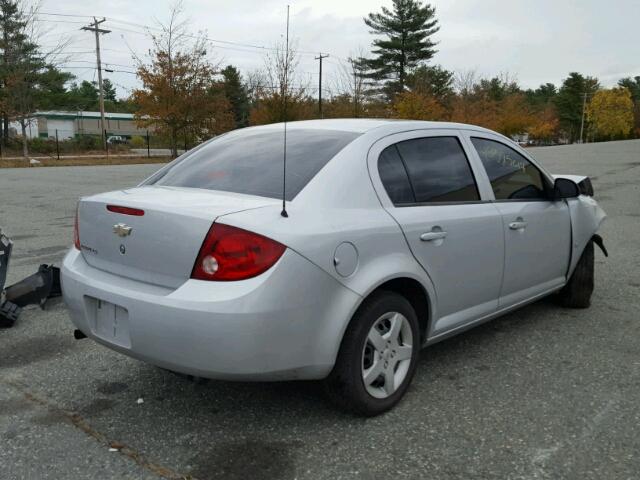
[[250, 162]]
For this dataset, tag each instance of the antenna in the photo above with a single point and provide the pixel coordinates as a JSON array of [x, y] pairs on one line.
[[284, 91]]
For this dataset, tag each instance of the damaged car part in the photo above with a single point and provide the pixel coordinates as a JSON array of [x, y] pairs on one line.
[[33, 290]]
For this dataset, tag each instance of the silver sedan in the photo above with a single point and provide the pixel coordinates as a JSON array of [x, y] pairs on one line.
[[381, 237]]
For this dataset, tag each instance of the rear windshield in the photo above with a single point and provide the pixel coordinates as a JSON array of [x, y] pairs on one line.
[[251, 161]]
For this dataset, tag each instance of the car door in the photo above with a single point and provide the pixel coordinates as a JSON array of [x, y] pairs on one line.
[[537, 230], [427, 184]]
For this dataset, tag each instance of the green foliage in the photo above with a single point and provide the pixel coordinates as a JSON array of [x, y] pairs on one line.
[[633, 85], [109, 90], [236, 93], [406, 32], [569, 102], [542, 95], [435, 81], [137, 142]]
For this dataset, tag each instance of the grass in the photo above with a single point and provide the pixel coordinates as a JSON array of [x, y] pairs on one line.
[[79, 161]]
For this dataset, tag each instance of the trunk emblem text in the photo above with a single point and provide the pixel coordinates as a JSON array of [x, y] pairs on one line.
[[122, 230]]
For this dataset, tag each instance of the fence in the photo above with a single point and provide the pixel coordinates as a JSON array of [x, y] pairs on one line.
[[123, 144]]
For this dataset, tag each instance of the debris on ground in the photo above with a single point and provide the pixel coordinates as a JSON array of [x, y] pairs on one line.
[[33, 290]]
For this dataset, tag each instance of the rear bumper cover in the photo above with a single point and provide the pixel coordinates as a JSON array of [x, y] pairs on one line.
[[285, 324]]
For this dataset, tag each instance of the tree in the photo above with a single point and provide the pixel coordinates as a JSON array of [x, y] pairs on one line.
[[24, 69], [109, 90], [280, 96], [179, 94], [542, 95], [544, 127], [414, 105], [611, 113], [633, 85], [406, 30], [570, 102], [236, 93], [353, 87], [432, 80], [496, 88], [84, 96]]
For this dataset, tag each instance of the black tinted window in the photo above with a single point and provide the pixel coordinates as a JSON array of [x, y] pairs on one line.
[[251, 161], [394, 176], [438, 170], [512, 176]]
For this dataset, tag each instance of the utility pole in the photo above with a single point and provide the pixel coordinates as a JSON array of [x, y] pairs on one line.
[[320, 57], [584, 109], [93, 27]]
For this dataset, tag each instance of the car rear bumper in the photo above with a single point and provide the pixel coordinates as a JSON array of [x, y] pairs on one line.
[[285, 324]]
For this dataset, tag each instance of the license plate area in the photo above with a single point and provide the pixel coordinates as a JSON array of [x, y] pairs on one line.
[[109, 321]]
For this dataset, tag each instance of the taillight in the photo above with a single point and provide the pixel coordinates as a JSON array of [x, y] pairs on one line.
[[230, 253], [76, 232]]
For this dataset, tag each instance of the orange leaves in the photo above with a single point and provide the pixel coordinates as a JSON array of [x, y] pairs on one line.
[[418, 106]]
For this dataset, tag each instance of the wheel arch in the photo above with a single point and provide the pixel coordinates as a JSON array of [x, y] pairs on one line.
[[420, 296]]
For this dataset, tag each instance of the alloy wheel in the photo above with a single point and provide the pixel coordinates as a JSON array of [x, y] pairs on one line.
[[387, 354]]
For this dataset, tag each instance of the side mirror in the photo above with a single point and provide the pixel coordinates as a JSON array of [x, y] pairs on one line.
[[565, 188]]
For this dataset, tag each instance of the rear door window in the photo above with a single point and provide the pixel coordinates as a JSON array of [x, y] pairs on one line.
[[438, 170], [512, 176], [251, 162]]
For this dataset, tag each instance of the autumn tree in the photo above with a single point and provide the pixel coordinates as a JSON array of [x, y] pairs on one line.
[[611, 113], [280, 94], [180, 97], [414, 105], [405, 42]]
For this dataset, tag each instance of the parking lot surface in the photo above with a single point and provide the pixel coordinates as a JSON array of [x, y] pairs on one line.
[[542, 393]]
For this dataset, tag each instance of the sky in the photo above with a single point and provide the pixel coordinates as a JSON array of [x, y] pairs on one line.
[[534, 41]]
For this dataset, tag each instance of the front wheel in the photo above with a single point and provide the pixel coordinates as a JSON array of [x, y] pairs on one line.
[[577, 292], [377, 357]]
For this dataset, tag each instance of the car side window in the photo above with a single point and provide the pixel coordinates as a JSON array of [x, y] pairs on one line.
[[438, 170], [512, 176], [394, 176]]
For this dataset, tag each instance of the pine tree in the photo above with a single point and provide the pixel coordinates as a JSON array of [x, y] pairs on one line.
[[406, 42], [109, 90], [236, 93], [23, 68], [570, 101]]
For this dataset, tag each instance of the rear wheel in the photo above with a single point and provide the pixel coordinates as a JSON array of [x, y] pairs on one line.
[[577, 292], [378, 356]]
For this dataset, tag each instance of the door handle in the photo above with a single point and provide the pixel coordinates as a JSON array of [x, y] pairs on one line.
[[519, 224], [431, 236]]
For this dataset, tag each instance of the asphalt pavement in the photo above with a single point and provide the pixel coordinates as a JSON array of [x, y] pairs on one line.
[[542, 393]]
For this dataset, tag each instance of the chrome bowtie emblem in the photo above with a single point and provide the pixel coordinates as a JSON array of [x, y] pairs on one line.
[[122, 230]]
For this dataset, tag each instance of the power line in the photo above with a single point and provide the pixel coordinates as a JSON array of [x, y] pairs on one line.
[[148, 27]]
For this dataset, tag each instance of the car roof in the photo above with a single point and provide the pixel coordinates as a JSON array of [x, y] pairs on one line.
[[365, 125]]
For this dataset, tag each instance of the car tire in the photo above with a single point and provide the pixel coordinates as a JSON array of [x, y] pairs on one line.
[[346, 386], [577, 292]]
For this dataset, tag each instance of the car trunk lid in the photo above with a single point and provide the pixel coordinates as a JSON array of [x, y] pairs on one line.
[[160, 245]]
